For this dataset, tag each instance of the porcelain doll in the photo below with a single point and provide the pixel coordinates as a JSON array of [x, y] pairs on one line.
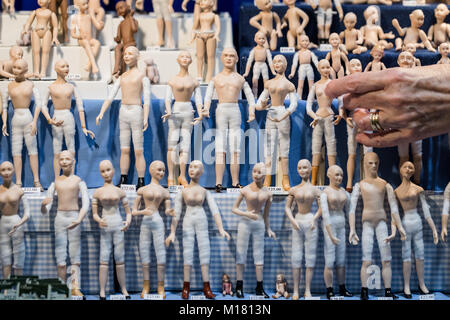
[[281, 287], [445, 211], [151, 70], [68, 218], [444, 50], [337, 58], [351, 37], [292, 20], [227, 286], [195, 224], [411, 48], [412, 34], [57, 6], [440, 32], [163, 10], [254, 221], [325, 16], [264, 21], [376, 64], [372, 33]]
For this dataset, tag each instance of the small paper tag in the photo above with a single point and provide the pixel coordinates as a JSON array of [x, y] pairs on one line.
[[77, 297], [426, 297], [256, 297], [312, 298], [73, 76], [287, 50], [233, 190], [325, 47], [175, 189], [277, 190], [128, 187], [153, 297], [337, 298], [202, 297], [117, 297], [153, 48], [409, 2], [385, 298], [31, 190]]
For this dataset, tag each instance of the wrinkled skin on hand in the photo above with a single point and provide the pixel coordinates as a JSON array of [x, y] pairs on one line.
[[414, 103]]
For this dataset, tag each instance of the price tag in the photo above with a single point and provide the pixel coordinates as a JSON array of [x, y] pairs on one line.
[[277, 190], [31, 190], [426, 297], [175, 189], [233, 190], [153, 297], [77, 297], [128, 187], [117, 297], [410, 2], [287, 50], [197, 297], [312, 298], [337, 298], [325, 47], [256, 297], [73, 76], [153, 48], [385, 298]]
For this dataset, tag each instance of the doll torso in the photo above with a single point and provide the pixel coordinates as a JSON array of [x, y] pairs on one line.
[[183, 87], [260, 54], [109, 197], [126, 31], [323, 101], [131, 84], [153, 195], [278, 89], [267, 21], [228, 87], [304, 196], [373, 192], [350, 37], [255, 198], [20, 93], [408, 196], [194, 196], [304, 56], [84, 25], [61, 95], [411, 36], [336, 199], [68, 189], [207, 20], [9, 200]]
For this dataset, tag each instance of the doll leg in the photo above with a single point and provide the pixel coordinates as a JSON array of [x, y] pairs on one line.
[[121, 278], [201, 230], [31, 143], [291, 38], [211, 44], [17, 133], [160, 250], [311, 237], [220, 141], [301, 79], [18, 245], [118, 59], [185, 144], [419, 252], [321, 24], [416, 148], [125, 136], [160, 26], [243, 237], [385, 253], [168, 25], [330, 140], [105, 253], [340, 253], [316, 148], [297, 257], [330, 256], [5, 248], [64, 18], [258, 230], [273, 40], [284, 140], [367, 248], [351, 147], [398, 44], [328, 19], [173, 139], [57, 147], [201, 50], [235, 133], [271, 133], [145, 242], [46, 46], [85, 44], [188, 245], [256, 74], [36, 48]]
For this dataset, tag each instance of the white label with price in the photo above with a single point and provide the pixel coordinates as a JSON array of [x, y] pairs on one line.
[[29, 190], [197, 298], [426, 297], [312, 298], [233, 190], [77, 297], [287, 50], [117, 297], [256, 297], [128, 187], [175, 189], [153, 297]]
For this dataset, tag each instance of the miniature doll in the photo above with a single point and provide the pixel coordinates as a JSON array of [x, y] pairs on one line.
[[125, 36], [323, 120], [355, 66], [444, 50], [259, 54], [152, 226], [337, 58], [377, 54], [112, 227], [196, 6], [440, 32], [195, 224], [334, 203], [373, 190], [304, 227], [63, 122], [228, 85], [325, 16], [96, 9], [181, 88], [351, 37], [412, 34], [266, 27], [8, 6], [68, 218], [206, 38], [409, 194], [292, 19], [281, 287], [411, 48], [23, 124], [445, 211], [304, 57], [6, 67], [163, 10], [254, 221], [151, 70], [12, 239], [57, 6], [133, 117], [406, 60], [42, 32], [372, 33], [227, 286], [81, 29], [25, 39], [278, 123]]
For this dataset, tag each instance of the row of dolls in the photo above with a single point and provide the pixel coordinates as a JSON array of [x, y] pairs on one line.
[[355, 41], [334, 205], [89, 20], [133, 118]]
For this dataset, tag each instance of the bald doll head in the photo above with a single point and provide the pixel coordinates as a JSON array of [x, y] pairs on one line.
[[355, 66], [106, 169], [324, 67], [335, 174], [62, 67], [304, 168], [195, 169], [157, 169], [6, 170], [417, 18], [131, 55], [407, 170], [66, 160], [304, 41], [259, 171], [260, 38], [229, 58], [371, 163], [16, 52], [184, 58], [20, 67]]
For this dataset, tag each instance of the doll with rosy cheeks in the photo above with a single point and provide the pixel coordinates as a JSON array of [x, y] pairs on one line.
[[440, 32], [264, 22], [409, 194], [377, 54], [304, 226], [337, 58], [334, 203], [444, 50]]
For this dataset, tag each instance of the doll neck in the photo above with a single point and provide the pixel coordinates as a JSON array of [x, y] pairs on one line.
[[194, 182], [228, 71], [324, 78], [335, 186], [280, 76], [304, 181], [60, 79], [183, 72], [7, 183], [154, 181], [258, 184], [20, 78], [108, 183], [406, 182], [439, 20], [67, 172]]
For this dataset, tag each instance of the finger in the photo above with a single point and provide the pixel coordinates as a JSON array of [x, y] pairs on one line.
[[386, 139], [369, 100], [360, 82]]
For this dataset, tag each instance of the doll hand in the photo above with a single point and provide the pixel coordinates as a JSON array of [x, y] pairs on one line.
[[166, 116], [283, 25], [205, 113], [263, 30], [279, 33], [353, 238], [216, 36], [251, 117], [313, 123], [99, 118], [291, 75], [145, 125], [402, 234], [170, 239], [252, 215], [435, 237], [102, 223], [312, 225], [183, 6], [349, 121], [390, 238], [273, 119], [56, 42], [338, 119], [4, 130], [197, 120], [334, 240], [271, 234], [55, 122], [224, 234], [88, 132], [117, 39], [170, 212], [170, 9], [444, 234], [389, 35], [126, 225], [75, 224], [14, 228], [245, 75], [44, 204], [33, 129], [341, 16], [299, 30], [295, 224], [265, 104]]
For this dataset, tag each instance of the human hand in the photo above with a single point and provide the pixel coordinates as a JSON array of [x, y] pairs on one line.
[[414, 103], [88, 132]]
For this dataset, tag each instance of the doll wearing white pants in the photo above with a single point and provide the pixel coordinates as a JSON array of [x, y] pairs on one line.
[[161, 8], [13, 246], [324, 17], [324, 127], [260, 67], [416, 148], [305, 71], [152, 226], [351, 141], [306, 239], [110, 236], [255, 228]]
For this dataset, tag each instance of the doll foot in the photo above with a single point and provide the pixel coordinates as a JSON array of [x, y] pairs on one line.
[[238, 186], [101, 298], [295, 296], [364, 294], [330, 293], [123, 180], [160, 289], [426, 291], [268, 181], [37, 184], [344, 292], [388, 293], [185, 292], [171, 44], [145, 288], [207, 291], [141, 183], [407, 295], [240, 289], [285, 183], [276, 296], [182, 181], [77, 293], [260, 290], [219, 188]]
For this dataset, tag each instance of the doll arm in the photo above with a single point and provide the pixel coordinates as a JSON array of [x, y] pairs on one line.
[[136, 204], [37, 107], [270, 61], [325, 210], [315, 60], [347, 66], [288, 211], [94, 209], [250, 100], [367, 68], [168, 102], [427, 215], [310, 101], [338, 6], [401, 31], [146, 88], [294, 65], [4, 108], [4, 73], [217, 27], [236, 205], [254, 21], [293, 103], [198, 100], [216, 214], [353, 204], [126, 207], [48, 201], [251, 58], [305, 18], [394, 210], [98, 24], [84, 201], [134, 24], [44, 108], [277, 19], [54, 22], [270, 233], [110, 98], [173, 226], [27, 25], [26, 210], [360, 38], [81, 113], [262, 103], [208, 96]]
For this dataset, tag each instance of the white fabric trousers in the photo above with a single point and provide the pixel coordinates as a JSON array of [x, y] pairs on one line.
[[413, 226], [325, 127], [306, 239], [335, 253], [256, 229], [381, 232], [180, 126], [195, 223], [21, 130], [131, 123], [112, 236], [66, 131], [152, 227], [63, 236], [12, 246], [305, 71], [278, 131], [161, 8], [260, 68], [228, 123]]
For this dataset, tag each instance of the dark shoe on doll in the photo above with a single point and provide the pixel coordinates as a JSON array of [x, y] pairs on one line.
[[240, 289], [185, 292], [260, 290], [238, 186], [388, 293], [207, 291], [330, 293], [364, 294], [123, 180], [344, 292], [140, 184], [219, 188]]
